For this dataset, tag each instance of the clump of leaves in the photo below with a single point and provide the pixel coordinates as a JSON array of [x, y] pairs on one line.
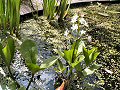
[[49, 8], [30, 53], [10, 16], [63, 9], [7, 54], [74, 58]]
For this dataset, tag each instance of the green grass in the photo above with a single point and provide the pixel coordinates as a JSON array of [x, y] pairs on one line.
[[10, 16]]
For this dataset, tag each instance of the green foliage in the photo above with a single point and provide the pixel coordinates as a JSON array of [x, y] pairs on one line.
[[7, 53], [30, 53], [90, 55], [10, 16], [75, 56], [49, 8], [63, 8], [91, 69], [48, 63]]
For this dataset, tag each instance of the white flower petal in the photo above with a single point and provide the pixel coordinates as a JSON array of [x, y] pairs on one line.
[[74, 27], [82, 32], [89, 39], [83, 21], [74, 18], [110, 72], [66, 33], [2, 72]]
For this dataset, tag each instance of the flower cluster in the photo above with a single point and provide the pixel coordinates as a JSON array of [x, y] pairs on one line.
[[76, 22], [76, 27]]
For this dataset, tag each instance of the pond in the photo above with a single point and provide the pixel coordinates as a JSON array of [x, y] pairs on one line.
[[104, 28]]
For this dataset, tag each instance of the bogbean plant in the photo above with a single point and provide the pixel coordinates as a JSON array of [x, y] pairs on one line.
[[77, 62], [50, 8], [29, 52], [10, 16]]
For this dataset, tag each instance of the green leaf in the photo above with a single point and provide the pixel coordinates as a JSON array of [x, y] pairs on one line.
[[48, 63], [29, 51], [68, 54], [85, 53], [77, 61], [93, 54], [80, 47], [8, 51], [59, 52], [60, 66], [95, 66], [90, 55], [33, 67], [87, 71], [91, 70]]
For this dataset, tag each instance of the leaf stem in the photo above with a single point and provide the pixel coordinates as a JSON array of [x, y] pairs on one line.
[[30, 82], [11, 75]]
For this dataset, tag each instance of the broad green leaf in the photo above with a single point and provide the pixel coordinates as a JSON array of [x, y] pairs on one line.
[[60, 66], [95, 66], [48, 63], [80, 47], [68, 54], [29, 51], [77, 61], [59, 52], [90, 55], [8, 51], [91, 51], [33, 67], [78, 67], [87, 71], [91, 70], [93, 55], [85, 53], [75, 45]]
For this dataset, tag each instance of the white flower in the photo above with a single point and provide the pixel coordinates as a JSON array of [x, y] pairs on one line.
[[110, 72], [2, 72], [74, 27], [89, 39], [66, 33], [74, 18], [82, 32], [83, 21]]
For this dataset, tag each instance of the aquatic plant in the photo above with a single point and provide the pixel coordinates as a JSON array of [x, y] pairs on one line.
[[10, 16], [74, 57], [29, 52], [63, 9], [49, 8], [7, 54]]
